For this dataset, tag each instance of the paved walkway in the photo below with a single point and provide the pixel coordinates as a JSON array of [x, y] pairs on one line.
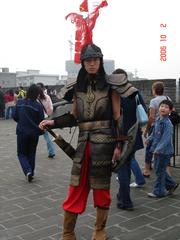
[[32, 211]]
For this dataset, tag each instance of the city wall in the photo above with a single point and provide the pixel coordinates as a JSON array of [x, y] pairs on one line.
[[172, 89]]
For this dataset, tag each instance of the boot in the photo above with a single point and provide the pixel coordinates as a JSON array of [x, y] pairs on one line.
[[69, 225], [99, 231]]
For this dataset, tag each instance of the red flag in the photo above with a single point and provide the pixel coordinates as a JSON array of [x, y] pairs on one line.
[[84, 6]]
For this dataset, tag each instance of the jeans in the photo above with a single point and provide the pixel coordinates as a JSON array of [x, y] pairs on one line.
[[124, 176], [8, 112], [163, 181], [139, 178], [26, 150], [50, 145]]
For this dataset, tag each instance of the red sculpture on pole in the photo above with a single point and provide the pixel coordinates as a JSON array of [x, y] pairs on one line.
[[84, 26]]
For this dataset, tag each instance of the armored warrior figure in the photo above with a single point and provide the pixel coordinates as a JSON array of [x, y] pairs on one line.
[[96, 111]]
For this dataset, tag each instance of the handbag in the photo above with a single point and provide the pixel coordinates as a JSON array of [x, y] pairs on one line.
[[141, 114]]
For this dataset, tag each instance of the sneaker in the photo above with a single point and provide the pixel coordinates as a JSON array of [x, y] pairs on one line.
[[152, 195], [135, 185], [29, 177], [171, 190], [51, 156]]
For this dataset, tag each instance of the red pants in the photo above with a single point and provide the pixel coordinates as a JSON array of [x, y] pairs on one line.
[[77, 197]]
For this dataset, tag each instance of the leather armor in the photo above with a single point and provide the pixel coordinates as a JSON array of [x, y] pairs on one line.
[[94, 115]]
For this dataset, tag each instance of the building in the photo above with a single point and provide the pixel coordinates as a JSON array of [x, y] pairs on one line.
[[73, 68], [26, 78], [29, 77], [109, 66], [7, 79]]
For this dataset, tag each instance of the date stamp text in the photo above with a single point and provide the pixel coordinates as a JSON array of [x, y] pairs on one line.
[[163, 42]]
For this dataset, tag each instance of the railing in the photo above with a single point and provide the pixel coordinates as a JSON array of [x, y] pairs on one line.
[[176, 143]]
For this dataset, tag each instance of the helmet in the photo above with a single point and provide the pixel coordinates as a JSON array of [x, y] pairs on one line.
[[90, 51]]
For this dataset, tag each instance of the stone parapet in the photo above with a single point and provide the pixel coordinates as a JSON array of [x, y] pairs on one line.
[[171, 89]]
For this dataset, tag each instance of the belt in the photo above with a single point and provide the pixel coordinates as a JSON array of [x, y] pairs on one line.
[[85, 126]]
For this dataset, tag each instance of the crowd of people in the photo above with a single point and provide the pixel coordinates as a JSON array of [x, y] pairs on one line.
[[8, 101], [104, 109], [9, 98]]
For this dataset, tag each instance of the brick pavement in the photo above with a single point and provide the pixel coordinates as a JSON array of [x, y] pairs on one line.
[[32, 211]]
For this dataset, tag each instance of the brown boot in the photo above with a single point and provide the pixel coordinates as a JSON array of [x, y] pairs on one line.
[[69, 225], [99, 231]]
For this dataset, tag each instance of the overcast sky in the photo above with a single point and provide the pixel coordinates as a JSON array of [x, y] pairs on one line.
[[34, 35]]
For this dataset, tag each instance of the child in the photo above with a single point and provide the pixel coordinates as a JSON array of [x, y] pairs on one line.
[[162, 149]]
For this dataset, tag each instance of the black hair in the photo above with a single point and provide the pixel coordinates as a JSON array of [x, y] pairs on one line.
[[84, 78], [41, 86], [167, 102], [11, 92], [33, 92], [42, 95]]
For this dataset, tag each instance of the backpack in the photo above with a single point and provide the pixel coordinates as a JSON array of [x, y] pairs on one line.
[[173, 116]]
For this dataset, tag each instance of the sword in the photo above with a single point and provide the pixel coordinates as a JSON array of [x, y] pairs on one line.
[[65, 146]]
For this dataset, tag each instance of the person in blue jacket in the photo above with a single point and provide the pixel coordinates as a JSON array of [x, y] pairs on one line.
[[161, 147], [128, 107], [28, 113]]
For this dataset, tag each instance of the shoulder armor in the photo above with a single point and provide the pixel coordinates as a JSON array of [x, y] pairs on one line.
[[117, 79], [120, 83], [66, 91]]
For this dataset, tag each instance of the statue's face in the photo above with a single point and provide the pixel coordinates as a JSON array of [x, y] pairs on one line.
[[92, 65]]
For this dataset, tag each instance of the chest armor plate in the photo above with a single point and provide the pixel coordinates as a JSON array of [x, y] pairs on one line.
[[94, 105]]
